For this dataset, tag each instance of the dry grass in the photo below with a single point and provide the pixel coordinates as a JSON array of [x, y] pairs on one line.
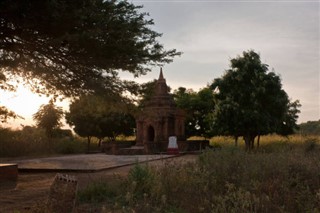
[[34, 142], [282, 176]]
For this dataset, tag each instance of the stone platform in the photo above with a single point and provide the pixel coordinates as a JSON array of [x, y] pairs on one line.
[[83, 162], [8, 172], [8, 176]]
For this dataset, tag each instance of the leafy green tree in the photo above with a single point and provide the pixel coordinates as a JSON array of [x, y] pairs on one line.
[[49, 117], [115, 123], [199, 107], [77, 46], [251, 101], [96, 116]]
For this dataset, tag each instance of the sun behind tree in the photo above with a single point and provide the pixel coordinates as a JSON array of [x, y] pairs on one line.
[[48, 117]]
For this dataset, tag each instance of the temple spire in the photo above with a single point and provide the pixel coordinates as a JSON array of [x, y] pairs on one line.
[[161, 86], [161, 74]]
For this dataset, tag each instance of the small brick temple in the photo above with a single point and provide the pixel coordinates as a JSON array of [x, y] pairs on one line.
[[159, 119]]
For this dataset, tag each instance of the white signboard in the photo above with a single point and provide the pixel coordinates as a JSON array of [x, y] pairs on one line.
[[172, 142]]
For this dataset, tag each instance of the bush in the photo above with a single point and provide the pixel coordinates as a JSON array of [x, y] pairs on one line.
[[31, 141], [69, 145], [22, 142], [97, 192]]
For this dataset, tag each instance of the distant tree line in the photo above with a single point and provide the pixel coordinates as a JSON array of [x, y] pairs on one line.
[[309, 128], [76, 47]]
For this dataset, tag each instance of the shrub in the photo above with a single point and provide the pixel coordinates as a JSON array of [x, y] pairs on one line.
[[31, 141], [97, 192], [140, 180], [69, 145]]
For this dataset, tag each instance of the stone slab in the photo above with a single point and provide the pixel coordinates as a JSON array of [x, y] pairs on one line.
[[8, 172], [83, 162], [8, 176]]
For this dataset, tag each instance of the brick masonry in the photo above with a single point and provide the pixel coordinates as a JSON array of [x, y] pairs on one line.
[[8, 172]]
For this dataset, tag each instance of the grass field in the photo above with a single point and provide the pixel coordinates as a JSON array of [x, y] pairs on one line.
[[34, 142], [283, 175]]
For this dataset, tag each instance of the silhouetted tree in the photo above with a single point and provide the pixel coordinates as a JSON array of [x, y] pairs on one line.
[[96, 116], [6, 113], [48, 117], [251, 101], [77, 46]]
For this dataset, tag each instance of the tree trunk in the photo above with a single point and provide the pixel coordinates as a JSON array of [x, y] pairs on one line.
[[99, 142], [89, 141], [252, 143], [249, 141], [236, 140]]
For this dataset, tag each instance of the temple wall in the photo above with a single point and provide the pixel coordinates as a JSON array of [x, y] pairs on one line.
[[160, 113]]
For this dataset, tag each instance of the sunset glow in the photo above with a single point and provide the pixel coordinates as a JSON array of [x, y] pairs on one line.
[[25, 103]]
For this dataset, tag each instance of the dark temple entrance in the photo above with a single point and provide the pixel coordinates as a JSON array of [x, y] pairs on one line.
[[150, 133]]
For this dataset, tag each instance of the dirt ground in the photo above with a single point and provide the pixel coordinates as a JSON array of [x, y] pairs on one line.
[[31, 189]]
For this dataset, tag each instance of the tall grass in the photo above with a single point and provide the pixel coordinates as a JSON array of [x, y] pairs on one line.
[[34, 142], [31, 141], [277, 178], [271, 142]]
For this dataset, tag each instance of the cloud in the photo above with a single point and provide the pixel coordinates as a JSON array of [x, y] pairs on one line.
[[210, 33]]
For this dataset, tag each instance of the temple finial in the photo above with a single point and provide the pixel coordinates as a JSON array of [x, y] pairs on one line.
[[161, 74]]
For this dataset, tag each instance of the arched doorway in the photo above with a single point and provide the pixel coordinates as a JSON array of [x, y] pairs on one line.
[[150, 133]]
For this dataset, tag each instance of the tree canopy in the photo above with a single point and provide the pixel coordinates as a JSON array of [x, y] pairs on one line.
[[96, 116], [251, 101], [199, 107], [77, 46], [5, 114], [49, 117]]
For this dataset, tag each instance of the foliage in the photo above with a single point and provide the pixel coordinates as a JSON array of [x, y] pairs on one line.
[[48, 117], [251, 101], [31, 141], [96, 116], [140, 179], [6, 114], [199, 107], [69, 145], [97, 192], [146, 91], [229, 180], [310, 128], [76, 46]]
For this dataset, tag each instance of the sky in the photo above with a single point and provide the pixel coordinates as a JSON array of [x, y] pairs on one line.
[[210, 33]]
